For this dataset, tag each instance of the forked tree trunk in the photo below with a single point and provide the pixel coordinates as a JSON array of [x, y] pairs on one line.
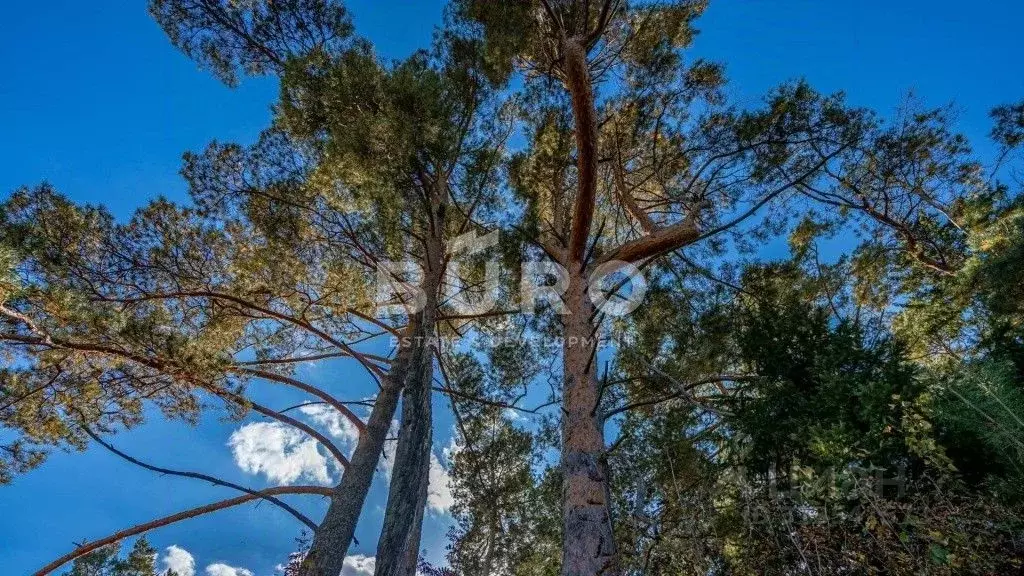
[[588, 541], [411, 377], [398, 547], [332, 540], [399, 544]]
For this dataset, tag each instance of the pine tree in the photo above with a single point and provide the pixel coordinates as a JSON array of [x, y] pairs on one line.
[[760, 409], [106, 561]]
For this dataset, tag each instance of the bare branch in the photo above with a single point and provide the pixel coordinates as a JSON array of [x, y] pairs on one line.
[[313, 390], [86, 548], [199, 476]]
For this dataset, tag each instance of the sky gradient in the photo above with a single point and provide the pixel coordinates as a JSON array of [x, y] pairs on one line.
[[95, 100]]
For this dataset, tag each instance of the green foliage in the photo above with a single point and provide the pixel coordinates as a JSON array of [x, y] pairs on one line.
[[506, 520], [252, 37], [978, 410], [827, 394], [839, 451], [1009, 125], [106, 561], [109, 315], [936, 529]]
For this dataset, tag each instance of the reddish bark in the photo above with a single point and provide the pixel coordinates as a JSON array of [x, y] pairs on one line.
[[588, 545], [581, 91], [589, 541], [142, 528]]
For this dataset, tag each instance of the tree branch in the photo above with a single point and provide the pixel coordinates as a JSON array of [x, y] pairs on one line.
[[313, 390], [86, 548], [173, 371], [656, 243], [682, 391], [363, 359], [199, 476], [581, 92]]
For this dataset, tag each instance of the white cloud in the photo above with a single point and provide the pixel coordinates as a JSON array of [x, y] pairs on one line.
[[358, 565], [179, 561], [439, 490], [513, 415], [336, 424], [280, 452], [225, 570], [452, 449]]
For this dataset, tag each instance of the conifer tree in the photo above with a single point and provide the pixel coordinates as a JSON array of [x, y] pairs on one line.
[[367, 162], [759, 408], [106, 561], [632, 156]]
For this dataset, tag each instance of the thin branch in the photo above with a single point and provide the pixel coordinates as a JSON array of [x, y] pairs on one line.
[[451, 392], [682, 391], [313, 390], [199, 476], [363, 359], [477, 316], [86, 548]]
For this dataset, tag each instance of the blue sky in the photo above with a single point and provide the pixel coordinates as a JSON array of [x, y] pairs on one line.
[[95, 100]]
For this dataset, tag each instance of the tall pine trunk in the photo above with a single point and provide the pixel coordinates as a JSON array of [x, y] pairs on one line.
[[334, 536], [588, 541], [588, 546], [399, 543]]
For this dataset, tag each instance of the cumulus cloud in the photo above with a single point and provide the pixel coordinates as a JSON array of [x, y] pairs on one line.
[[179, 561], [280, 452], [336, 424], [358, 565], [225, 570]]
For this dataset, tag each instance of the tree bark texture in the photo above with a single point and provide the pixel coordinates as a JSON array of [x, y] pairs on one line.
[[399, 543], [588, 546], [588, 541]]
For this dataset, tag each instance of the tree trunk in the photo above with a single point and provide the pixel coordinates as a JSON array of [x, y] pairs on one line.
[[398, 547], [588, 540], [334, 536], [588, 545], [399, 544]]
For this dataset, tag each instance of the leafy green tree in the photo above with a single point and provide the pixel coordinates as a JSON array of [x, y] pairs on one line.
[[174, 304], [830, 452], [417, 132], [492, 481]]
